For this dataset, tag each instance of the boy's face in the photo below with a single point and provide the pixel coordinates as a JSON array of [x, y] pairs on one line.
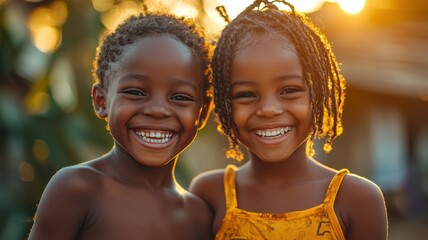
[[154, 101], [270, 100]]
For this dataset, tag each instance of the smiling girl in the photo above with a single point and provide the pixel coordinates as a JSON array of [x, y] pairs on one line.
[[277, 87]]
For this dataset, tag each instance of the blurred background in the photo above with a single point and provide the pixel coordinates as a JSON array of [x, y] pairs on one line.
[[47, 121]]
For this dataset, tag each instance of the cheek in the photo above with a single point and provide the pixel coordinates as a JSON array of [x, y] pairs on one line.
[[304, 112], [189, 117], [239, 115]]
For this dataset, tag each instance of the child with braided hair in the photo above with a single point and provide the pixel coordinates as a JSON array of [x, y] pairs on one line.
[[152, 87], [277, 87]]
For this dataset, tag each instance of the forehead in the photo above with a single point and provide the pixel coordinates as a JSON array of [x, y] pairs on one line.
[[159, 57], [268, 55], [158, 47], [263, 42]]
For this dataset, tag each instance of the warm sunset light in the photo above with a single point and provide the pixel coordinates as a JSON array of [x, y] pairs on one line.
[[352, 6], [185, 9], [307, 6], [233, 8], [120, 12]]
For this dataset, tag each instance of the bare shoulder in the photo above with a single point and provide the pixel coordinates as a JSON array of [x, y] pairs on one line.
[[78, 179], [209, 186], [355, 188], [71, 186], [65, 200], [361, 205]]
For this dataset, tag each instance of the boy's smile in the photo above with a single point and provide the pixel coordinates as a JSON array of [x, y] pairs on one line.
[[154, 136], [154, 100]]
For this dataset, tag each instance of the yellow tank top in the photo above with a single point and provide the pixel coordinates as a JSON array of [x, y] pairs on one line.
[[319, 222]]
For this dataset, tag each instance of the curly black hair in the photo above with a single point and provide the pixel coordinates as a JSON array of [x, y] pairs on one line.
[[144, 24], [320, 68]]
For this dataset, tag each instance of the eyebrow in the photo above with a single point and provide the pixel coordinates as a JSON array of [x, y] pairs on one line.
[[289, 76], [183, 82], [279, 78], [139, 76], [133, 76]]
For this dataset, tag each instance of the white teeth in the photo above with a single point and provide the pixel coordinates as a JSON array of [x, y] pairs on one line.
[[273, 132], [155, 137]]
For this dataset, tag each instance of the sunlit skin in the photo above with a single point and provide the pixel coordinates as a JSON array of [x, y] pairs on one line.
[[153, 104], [270, 97]]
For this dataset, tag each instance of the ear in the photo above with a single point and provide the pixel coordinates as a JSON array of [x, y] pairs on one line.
[[205, 112], [99, 100]]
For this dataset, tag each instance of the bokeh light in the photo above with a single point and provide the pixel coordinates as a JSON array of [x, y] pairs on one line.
[[352, 6], [37, 103], [119, 13], [185, 9], [62, 85], [26, 172], [102, 5], [40, 150], [45, 24], [233, 8], [47, 39]]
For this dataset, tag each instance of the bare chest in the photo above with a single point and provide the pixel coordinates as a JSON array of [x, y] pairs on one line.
[[120, 212]]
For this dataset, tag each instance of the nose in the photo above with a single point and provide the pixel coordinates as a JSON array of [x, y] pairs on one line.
[[269, 107], [157, 108]]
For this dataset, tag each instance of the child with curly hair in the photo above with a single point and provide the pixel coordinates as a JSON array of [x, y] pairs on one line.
[[277, 87], [152, 87]]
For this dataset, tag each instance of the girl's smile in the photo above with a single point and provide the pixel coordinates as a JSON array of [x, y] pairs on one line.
[[273, 135]]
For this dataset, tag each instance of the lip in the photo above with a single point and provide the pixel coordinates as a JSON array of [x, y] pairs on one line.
[[155, 137]]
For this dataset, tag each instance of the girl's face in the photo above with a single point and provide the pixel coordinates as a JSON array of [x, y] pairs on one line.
[[270, 100], [154, 101]]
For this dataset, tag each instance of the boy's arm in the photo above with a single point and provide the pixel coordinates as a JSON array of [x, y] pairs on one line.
[[365, 209], [63, 206], [203, 217]]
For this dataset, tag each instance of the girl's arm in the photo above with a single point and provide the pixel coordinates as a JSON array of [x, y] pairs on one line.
[[209, 187], [364, 209], [63, 206]]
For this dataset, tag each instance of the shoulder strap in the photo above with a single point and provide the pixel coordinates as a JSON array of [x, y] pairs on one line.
[[229, 186], [334, 186], [330, 198]]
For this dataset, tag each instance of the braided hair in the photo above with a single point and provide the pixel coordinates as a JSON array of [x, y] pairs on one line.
[[321, 72], [111, 47]]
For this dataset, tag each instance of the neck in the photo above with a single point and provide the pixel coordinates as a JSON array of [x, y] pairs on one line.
[[297, 166], [126, 169]]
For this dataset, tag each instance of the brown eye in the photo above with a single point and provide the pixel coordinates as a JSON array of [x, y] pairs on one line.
[[135, 92], [244, 95], [182, 97], [290, 90]]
